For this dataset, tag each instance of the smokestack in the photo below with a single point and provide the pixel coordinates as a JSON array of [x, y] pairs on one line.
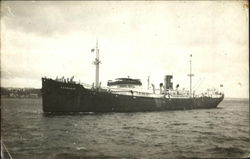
[[161, 85], [168, 82]]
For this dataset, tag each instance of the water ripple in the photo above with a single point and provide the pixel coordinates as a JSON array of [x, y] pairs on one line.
[[211, 133]]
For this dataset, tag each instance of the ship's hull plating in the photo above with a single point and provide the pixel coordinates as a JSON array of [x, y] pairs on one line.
[[68, 97]]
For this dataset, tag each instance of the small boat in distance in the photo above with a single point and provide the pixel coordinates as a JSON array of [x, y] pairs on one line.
[[122, 95]]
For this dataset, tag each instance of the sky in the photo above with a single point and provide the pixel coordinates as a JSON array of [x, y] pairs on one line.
[[136, 39]]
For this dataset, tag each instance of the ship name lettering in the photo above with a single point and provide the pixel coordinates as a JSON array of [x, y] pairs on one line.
[[68, 88]]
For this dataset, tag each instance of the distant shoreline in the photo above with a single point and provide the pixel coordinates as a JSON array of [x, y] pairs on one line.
[[236, 99], [3, 97]]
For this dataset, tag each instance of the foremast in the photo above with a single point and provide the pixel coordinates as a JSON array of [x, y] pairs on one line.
[[96, 63]]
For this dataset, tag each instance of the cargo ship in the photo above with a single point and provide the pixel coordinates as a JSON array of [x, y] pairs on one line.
[[122, 95]]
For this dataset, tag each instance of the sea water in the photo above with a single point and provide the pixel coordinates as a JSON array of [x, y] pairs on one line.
[[212, 133]]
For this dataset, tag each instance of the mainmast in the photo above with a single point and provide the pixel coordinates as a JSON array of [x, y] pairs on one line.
[[96, 63], [190, 75]]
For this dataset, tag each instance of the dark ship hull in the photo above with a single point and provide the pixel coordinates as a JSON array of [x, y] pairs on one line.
[[71, 97]]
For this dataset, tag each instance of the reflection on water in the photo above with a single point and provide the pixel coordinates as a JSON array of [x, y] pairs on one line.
[[29, 133]]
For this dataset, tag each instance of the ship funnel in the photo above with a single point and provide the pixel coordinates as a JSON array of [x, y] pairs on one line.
[[161, 85], [168, 82]]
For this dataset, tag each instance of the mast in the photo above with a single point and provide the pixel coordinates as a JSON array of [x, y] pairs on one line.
[[190, 76], [96, 63]]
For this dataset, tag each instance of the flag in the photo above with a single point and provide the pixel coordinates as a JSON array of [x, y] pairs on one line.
[[92, 50]]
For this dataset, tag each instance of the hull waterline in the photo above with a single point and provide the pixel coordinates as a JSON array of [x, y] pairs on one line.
[[72, 97]]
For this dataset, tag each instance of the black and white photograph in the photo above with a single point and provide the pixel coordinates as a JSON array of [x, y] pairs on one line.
[[124, 79]]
